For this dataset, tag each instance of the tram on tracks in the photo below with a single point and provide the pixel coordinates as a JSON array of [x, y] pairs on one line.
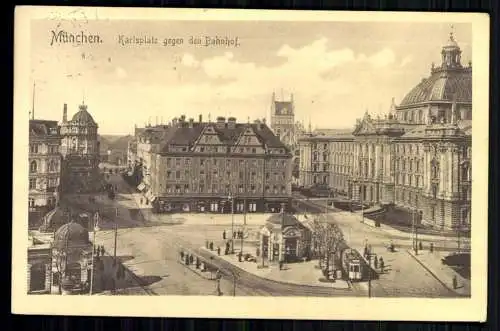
[[354, 266]]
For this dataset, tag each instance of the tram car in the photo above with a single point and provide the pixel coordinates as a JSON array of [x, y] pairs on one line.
[[354, 267]]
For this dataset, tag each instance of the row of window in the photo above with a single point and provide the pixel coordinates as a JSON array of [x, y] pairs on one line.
[[410, 180], [228, 175], [226, 189], [408, 165], [51, 183], [53, 166], [38, 148], [216, 162]]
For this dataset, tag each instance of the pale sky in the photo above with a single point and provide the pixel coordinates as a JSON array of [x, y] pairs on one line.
[[336, 70]]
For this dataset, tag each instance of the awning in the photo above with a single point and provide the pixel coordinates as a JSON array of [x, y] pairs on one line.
[[141, 186]]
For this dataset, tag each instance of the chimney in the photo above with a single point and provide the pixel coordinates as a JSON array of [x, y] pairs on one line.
[[221, 122], [231, 122], [200, 118], [65, 113], [191, 122]]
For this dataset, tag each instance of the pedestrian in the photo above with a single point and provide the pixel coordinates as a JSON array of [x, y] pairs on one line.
[[431, 247], [224, 235], [102, 250], [420, 246], [211, 245], [455, 285], [375, 261], [234, 235], [218, 250], [381, 262]]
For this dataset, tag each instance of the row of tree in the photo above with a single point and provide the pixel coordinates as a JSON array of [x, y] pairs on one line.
[[327, 241]]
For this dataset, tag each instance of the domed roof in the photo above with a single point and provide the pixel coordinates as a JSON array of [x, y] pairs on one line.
[[71, 235], [83, 116], [442, 86], [287, 219]]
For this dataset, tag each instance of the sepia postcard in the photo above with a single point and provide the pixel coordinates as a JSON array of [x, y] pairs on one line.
[[250, 164]]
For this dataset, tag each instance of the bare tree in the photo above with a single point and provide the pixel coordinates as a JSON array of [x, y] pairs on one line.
[[327, 238], [60, 260]]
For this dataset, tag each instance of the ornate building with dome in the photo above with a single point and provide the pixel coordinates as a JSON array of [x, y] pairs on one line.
[[416, 158], [80, 152]]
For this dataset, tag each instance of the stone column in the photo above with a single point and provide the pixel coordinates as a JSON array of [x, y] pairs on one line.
[[377, 159], [442, 171], [28, 278], [48, 276], [450, 171]]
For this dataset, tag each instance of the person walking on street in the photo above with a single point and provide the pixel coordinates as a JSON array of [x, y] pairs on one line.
[[381, 262], [218, 250], [431, 247], [224, 235], [420, 246], [375, 261], [455, 283], [102, 250]]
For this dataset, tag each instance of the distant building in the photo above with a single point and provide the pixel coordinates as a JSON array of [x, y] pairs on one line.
[[418, 157], [80, 151], [285, 127], [199, 166], [44, 168]]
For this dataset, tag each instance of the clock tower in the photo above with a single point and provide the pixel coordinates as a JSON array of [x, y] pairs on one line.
[[283, 120]]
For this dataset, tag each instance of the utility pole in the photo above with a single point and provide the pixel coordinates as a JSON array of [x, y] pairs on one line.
[[232, 223], [369, 274], [96, 221], [116, 234]]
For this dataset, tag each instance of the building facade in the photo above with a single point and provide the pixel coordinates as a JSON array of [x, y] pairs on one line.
[[417, 157], [80, 151], [218, 167], [44, 168], [285, 127]]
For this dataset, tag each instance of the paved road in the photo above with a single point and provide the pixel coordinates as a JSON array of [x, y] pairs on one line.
[[152, 251], [404, 276]]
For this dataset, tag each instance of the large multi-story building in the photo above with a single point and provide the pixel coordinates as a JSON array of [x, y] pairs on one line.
[[80, 151], [44, 167], [213, 166], [417, 157]]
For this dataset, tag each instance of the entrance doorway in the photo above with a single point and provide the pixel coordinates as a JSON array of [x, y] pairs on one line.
[[37, 277], [290, 249]]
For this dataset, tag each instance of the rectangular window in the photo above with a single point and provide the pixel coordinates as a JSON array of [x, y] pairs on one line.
[[177, 162], [32, 183], [177, 174], [202, 162]]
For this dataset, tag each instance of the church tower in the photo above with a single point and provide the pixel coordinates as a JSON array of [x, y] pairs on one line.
[[283, 120]]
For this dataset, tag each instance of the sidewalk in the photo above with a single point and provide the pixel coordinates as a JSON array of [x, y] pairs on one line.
[[300, 273], [432, 263], [127, 284], [388, 229]]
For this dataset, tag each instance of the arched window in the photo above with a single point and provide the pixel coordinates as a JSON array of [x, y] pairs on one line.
[[52, 166], [33, 166]]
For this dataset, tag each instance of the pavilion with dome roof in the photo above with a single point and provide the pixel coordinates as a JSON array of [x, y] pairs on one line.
[[80, 151], [416, 159], [72, 259]]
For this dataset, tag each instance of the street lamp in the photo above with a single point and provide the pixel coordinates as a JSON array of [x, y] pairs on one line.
[[95, 229], [231, 198]]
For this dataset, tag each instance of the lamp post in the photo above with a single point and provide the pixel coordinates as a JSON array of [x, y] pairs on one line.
[[95, 228], [231, 198]]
